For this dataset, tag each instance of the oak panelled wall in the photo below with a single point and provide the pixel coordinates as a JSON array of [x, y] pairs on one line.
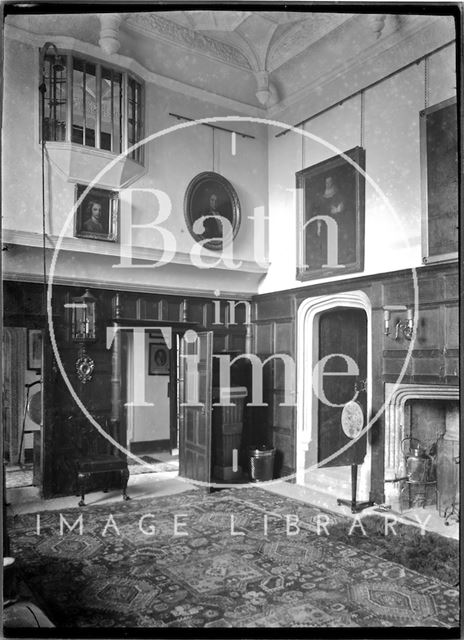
[[23, 303], [434, 359]]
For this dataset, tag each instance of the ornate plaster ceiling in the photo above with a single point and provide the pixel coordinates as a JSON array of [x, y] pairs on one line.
[[258, 40]]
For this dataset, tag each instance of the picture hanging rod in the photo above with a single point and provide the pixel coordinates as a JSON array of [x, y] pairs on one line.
[[369, 86], [213, 126]]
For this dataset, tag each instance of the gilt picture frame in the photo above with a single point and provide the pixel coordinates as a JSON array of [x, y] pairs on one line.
[[97, 217], [330, 217], [212, 210]]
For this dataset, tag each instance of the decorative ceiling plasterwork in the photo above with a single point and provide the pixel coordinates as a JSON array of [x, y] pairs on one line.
[[150, 24], [215, 20], [300, 36]]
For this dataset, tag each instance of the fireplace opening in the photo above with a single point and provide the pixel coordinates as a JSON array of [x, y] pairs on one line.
[[430, 448]]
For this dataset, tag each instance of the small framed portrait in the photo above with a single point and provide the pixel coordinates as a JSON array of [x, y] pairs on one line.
[[212, 210], [97, 215], [330, 217], [158, 359], [34, 349]]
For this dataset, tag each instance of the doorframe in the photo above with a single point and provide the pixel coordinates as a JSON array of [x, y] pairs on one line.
[[307, 342]]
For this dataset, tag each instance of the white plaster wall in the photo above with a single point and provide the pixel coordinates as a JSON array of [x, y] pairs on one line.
[[391, 141], [146, 423], [171, 162]]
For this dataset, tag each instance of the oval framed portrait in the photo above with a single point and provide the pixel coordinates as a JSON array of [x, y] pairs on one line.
[[212, 210]]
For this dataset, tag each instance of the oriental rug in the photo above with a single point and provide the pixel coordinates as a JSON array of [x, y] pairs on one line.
[[235, 558]]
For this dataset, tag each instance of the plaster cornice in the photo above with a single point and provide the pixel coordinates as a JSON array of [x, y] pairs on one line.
[[155, 26], [86, 48]]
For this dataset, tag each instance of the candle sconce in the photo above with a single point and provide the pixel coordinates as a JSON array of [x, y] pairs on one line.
[[83, 332], [404, 327]]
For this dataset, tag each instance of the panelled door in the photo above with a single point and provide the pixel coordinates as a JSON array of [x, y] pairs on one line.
[[195, 404], [341, 331]]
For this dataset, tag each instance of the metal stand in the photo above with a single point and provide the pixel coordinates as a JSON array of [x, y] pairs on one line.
[[356, 507]]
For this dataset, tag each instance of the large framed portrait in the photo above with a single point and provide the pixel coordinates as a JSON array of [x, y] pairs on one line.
[[330, 217], [97, 215], [439, 181], [212, 210]]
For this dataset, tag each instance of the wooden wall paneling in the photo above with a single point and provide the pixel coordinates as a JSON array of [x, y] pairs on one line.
[[235, 341], [195, 312], [264, 338], [162, 310], [129, 307], [399, 291], [284, 443], [451, 282], [274, 307], [141, 309], [219, 342], [208, 315], [451, 326], [430, 330], [174, 308], [284, 337], [431, 289]]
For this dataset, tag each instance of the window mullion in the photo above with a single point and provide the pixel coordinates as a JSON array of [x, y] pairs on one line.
[[112, 109], [69, 93], [98, 105], [84, 110], [125, 111]]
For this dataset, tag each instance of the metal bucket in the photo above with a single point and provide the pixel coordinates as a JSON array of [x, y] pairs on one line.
[[261, 463]]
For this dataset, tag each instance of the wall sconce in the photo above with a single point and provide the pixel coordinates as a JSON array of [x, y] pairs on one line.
[[83, 331], [403, 326]]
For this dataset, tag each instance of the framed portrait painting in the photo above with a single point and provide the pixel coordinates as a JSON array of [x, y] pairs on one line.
[[439, 181], [330, 217], [158, 359], [97, 215], [212, 210]]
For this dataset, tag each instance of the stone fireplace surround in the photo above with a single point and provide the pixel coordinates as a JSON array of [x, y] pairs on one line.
[[396, 397]]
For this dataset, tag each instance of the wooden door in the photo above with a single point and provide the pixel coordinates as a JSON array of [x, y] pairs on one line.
[[195, 404], [342, 331]]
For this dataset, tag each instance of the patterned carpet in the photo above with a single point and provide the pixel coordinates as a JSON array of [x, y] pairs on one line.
[[116, 575]]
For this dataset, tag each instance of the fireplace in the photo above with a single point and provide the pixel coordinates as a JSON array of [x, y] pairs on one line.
[[430, 415]]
